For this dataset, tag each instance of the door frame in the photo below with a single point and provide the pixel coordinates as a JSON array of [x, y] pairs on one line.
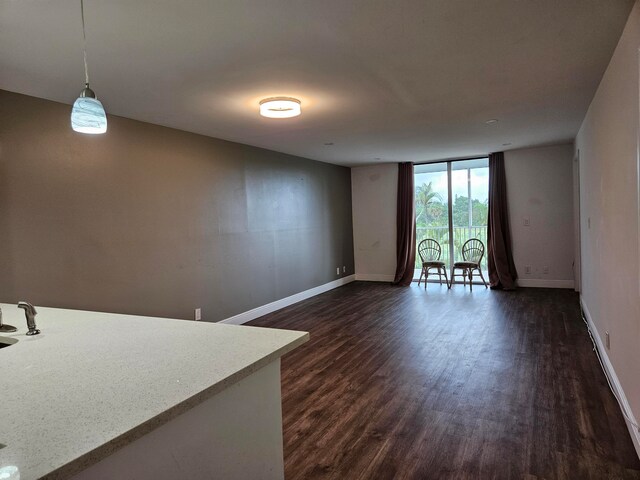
[[449, 163]]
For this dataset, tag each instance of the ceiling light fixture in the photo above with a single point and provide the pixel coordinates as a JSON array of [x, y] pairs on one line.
[[87, 114], [280, 107], [491, 121]]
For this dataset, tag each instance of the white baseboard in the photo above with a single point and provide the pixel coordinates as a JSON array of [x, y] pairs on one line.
[[285, 302], [613, 378], [543, 283], [374, 277]]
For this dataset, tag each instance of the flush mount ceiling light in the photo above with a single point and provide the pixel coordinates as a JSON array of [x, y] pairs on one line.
[[491, 121], [280, 107], [87, 114]]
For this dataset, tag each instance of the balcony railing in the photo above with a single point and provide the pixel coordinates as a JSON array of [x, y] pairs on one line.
[[460, 235]]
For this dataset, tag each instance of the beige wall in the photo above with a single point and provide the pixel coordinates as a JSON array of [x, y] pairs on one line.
[[155, 221], [374, 193], [540, 188], [608, 151]]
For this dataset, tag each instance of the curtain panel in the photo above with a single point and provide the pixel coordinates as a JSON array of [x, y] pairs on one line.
[[502, 269], [406, 226]]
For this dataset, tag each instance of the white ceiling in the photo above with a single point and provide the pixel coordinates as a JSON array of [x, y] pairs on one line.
[[403, 80]]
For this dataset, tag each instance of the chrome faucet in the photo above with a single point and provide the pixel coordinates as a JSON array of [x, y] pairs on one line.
[[5, 327], [30, 313]]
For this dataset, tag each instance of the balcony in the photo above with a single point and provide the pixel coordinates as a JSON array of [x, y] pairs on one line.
[[460, 235]]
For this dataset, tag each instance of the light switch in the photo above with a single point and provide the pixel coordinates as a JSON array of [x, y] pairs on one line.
[[526, 222]]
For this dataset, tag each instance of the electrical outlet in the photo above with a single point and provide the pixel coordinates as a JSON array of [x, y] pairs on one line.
[[607, 340], [545, 269], [337, 270], [344, 269], [526, 222], [197, 314], [527, 269]]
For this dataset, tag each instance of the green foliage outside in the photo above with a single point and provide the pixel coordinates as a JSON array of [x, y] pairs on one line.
[[432, 221]]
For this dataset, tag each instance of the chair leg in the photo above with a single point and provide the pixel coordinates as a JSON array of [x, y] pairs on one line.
[[453, 274], [426, 277], [446, 279], [440, 275], [483, 280], [421, 274], [471, 279]]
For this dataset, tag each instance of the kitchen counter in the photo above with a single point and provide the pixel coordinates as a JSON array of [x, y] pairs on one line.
[[92, 383]]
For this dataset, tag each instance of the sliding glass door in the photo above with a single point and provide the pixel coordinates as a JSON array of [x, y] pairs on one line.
[[432, 208], [470, 189], [451, 201]]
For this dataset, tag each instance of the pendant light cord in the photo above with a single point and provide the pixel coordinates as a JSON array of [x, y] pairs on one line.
[[84, 45]]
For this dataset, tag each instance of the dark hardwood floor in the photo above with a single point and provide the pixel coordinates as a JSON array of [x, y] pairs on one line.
[[403, 383]]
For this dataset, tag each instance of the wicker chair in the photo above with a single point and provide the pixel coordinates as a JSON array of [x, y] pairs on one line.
[[472, 253], [430, 251]]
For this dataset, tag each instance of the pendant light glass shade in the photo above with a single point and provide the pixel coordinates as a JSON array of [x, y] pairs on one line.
[[87, 114]]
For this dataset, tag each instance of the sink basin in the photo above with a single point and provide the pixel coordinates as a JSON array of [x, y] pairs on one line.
[[7, 341]]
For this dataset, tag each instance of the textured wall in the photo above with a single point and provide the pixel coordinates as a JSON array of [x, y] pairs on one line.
[[609, 198], [374, 220], [155, 221], [540, 188]]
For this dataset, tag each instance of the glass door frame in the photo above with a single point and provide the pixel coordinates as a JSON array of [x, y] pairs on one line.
[[450, 201], [450, 213]]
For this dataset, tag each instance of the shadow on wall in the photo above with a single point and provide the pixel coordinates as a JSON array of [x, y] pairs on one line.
[[154, 221]]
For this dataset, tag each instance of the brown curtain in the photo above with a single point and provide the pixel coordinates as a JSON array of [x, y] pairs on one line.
[[406, 227], [502, 270]]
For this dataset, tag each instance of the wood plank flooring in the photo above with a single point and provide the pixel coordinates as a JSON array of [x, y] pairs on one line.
[[399, 383]]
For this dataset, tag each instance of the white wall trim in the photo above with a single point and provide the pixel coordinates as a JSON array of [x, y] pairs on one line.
[[374, 277], [285, 302], [613, 378], [543, 283]]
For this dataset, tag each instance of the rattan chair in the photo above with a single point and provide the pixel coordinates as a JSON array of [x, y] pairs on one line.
[[430, 252], [472, 253]]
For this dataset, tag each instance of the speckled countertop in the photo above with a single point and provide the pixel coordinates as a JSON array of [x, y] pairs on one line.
[[91, 383]]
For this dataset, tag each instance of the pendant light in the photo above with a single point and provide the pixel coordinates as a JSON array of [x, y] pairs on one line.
[[87, 114]]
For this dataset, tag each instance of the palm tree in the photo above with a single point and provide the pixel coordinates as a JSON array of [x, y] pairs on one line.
[[425, 196]]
